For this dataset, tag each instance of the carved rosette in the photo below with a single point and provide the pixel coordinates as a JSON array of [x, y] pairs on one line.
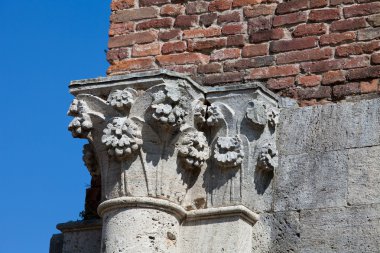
[[268, 159], [214, 115], [122, 138], [228, 151], [81, 125], [122, 99], [194, 150]]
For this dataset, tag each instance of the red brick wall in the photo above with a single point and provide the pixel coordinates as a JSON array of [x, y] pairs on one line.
[[312, 50]]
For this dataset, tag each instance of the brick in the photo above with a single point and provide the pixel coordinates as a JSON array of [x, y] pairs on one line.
[[200, 33], [133, 64], [135, 14], [369, 87], [338, 2], [361, 10], [255, 50], [324, 66], [274, 71], [197, 7], [229, 17], [349, 24], [169, 35], [174, 47], [309, 29], [364, 73], [185, 21], [357, 48], [131, 39], [235, 40], [315, 54], [118, 54], [243, 64], [280, 83], [155, 23], [294, 44], [182, 59], [240, 3], [337, 38], [172, 10], [259, 24], [374, 20], [233, 29], [220, 5], [259, 10], [292, 6], [318, 3], [208, 19], [210, 68], [146, 49], [347, 89], [226, 53], [153, 2], [121, 28], [227, 77], [289, 19], [315, 93], [375, 59], [369, 34], [324, 15], [122, 4], [309, 81], [268, 35], [333, 77], [206, 44]]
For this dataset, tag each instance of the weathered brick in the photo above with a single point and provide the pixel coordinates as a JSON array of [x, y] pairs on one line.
[[268, 35], [197, 7], [333, 77], [357, 48], [255, 50], [121, 28], [155, 23], [348, 25], [226, 53], [309, 29], [375, 59], [259, 10], [243, 64], [200, 33], [210, 68], [309, 81], [324, 66], [135, 14], [338, 2], [184, 69], [172, 10], [324, 15], [235, 40], [337, 38], [229, 17], [364, 73], [315, 92], [132, 65], [122, 4], [153, 2], [259, 24], [206, 44], [347, 89], [174, 47], [169, 35], [146, 49], [117, 54], [280, 83], [132, 38], [289, 19], [374, 20], [208, 19], [369, 34], [292, 6], [233, 29], [227, 77], [185, 21], [318, 3], [314, 54], [274, 71], [182, 59], [294, 44], [239, 3], [369, 87], [220, 5], [361, 10]]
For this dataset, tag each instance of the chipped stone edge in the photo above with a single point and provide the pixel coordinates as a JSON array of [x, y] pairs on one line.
[[74, 226], [178, 211]]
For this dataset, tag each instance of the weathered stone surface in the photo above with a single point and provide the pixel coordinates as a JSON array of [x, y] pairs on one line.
[[364, 176], [348, 230], [311, 180]]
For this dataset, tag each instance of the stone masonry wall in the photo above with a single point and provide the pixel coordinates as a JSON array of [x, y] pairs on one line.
[[312, 50]]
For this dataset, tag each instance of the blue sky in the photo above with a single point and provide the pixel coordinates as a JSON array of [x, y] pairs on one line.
[[44, 44]]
